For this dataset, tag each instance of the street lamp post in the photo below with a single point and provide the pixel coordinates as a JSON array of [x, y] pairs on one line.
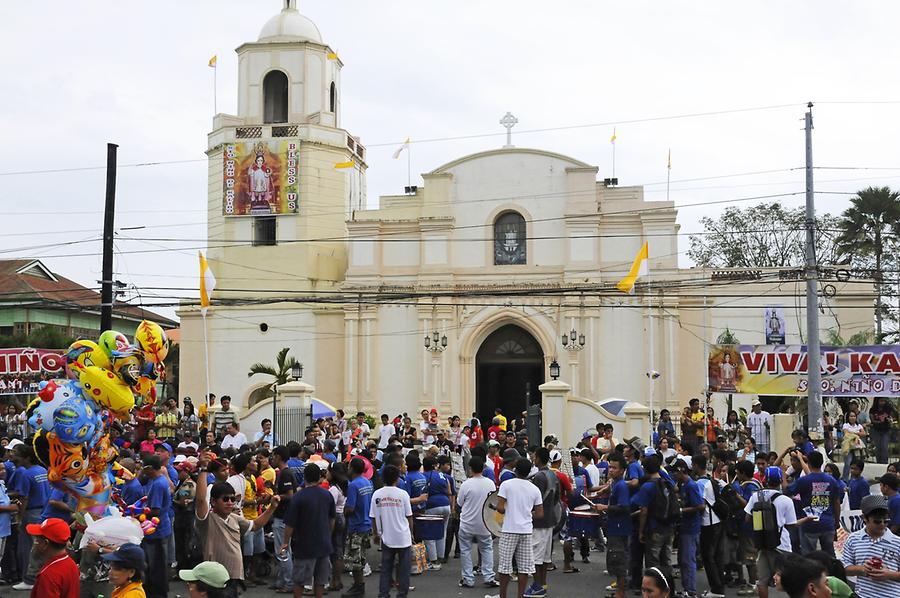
[[296, 374]]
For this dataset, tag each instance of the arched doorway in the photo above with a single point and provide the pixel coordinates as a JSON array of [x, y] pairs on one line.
[[509, 368]]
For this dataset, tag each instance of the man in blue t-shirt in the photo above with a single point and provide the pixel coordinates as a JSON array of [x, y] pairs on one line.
[[312, 511], [618, 526], [890, 484], [745, 486], [633, 475], [820, 496], [31, 488], [692, 506], [858, 487], [359, 525], [159, 501], [415, 482], [654, 533]]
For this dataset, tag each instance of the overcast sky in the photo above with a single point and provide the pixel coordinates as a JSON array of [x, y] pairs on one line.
[[80, 74]]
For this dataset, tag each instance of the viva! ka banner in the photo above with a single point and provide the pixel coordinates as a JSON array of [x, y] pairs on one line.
[[781, 370], [260, 179]]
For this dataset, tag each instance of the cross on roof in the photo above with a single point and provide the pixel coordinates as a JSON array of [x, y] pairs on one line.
[[290, 4], [509, 121]]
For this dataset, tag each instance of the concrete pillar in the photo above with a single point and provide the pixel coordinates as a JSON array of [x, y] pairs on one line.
[[637, 422], [780, 434], [554, 406], [295, 394]]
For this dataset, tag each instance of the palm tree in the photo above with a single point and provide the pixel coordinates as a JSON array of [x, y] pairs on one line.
[[874, 214], [281, 374]]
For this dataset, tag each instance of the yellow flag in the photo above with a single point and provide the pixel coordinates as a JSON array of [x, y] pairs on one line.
[[332, 56], [212, 61], [349, 164], [613, 138], [400, 149], [626, 285], [207, 283]]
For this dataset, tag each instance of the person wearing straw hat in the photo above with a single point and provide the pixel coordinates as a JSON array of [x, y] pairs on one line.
[[126, 571]]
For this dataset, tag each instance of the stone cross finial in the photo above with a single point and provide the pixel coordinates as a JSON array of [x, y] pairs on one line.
[[509, 121], [290, 4]]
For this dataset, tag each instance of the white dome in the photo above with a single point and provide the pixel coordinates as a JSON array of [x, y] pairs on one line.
[[290, 26]]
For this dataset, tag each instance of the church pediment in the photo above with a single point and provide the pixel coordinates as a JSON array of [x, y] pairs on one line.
[[507, 152]]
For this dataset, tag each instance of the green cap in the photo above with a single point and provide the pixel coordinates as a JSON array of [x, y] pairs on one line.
[[211, 573]]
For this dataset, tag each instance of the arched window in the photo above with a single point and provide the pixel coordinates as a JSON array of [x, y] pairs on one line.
[[275, 98], [333, 98], [509, 239]]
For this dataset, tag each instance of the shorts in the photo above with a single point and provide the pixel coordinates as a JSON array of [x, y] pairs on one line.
[[516, 546], [254, 542], [312, 571], [617, 555], [765, 565], [338, 536], [357, 545], [541, 544], [747, 550]]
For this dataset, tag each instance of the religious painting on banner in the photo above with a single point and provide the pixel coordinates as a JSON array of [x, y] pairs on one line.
[[22, 369], [261, 178], [872, 371], [773, 323]]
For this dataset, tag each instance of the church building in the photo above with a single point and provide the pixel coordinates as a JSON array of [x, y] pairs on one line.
[[460, 293]]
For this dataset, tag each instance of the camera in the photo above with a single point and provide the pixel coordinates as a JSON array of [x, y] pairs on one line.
[[653, 374]]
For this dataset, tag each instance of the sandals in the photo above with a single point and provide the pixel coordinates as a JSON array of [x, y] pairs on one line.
[[572, 570]]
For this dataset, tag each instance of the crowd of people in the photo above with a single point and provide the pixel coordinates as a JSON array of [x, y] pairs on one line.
[[235, 511]]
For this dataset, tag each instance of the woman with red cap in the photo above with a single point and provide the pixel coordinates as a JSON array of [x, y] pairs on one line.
[[59, 577]]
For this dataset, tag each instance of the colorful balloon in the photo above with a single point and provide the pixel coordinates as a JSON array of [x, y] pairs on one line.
[[152, 340], [102, 454], [128, 368], [107, 389], [112, 531], [83, 353], [76, 420], [51, 397], [115, 344], [62, 460]]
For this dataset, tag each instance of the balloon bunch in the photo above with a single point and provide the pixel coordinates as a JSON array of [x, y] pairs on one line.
[[141, 513], [72, 416]]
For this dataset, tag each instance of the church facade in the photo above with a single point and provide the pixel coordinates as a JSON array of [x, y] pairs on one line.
[[460, 293]]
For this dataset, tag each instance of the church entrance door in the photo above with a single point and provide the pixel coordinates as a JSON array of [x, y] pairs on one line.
[[509, 368]]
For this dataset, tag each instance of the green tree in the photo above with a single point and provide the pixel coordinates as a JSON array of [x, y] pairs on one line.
[[868, 233], [766, 235], [281, 374]]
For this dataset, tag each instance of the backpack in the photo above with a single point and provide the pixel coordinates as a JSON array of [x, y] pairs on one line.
[[665, 507], [766, 531], [719, 506]]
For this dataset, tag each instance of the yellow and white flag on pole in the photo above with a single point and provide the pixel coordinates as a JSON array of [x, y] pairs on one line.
[[613, 138], [400, 149], [213, 61], [347, 164], [207, 283], [638, 268]]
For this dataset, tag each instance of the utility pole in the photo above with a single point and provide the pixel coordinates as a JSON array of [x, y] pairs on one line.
[[814, 376], [109, 217]]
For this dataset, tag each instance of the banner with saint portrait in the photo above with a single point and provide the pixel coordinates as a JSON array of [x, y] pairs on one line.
[[261, 178], [872, 371]]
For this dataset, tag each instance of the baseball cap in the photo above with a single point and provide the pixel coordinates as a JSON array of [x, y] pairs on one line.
[[493, 443], [180, 459], [130, 555], [555, 456], [649, 451], [873, 502], [510, 454], [773, 474], [54, 529], [164, 445], [681, 465], [890, 480], [209, 572], [13, 444]]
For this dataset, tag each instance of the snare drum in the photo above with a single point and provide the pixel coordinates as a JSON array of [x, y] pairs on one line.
[[583, 523], [428, 527]]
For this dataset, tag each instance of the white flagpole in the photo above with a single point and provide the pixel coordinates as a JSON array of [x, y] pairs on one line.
[[408, 166], [206, 360]]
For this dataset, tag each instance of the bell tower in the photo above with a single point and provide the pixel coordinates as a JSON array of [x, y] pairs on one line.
[[277, 203]]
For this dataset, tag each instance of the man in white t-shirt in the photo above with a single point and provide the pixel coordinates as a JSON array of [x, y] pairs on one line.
[[391, 515], [785, 516], [234, 438], [472, 494], [520, 502], [364, 429], [760, 423], [187, 446], [385, 431]]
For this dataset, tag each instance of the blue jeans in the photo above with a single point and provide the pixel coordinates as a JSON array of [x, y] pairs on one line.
[[23, 549], [485, 547], [284, 565], [403, 558], [881, 439], [434, 549], [157, 574], [687, 561], [809, 541]]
